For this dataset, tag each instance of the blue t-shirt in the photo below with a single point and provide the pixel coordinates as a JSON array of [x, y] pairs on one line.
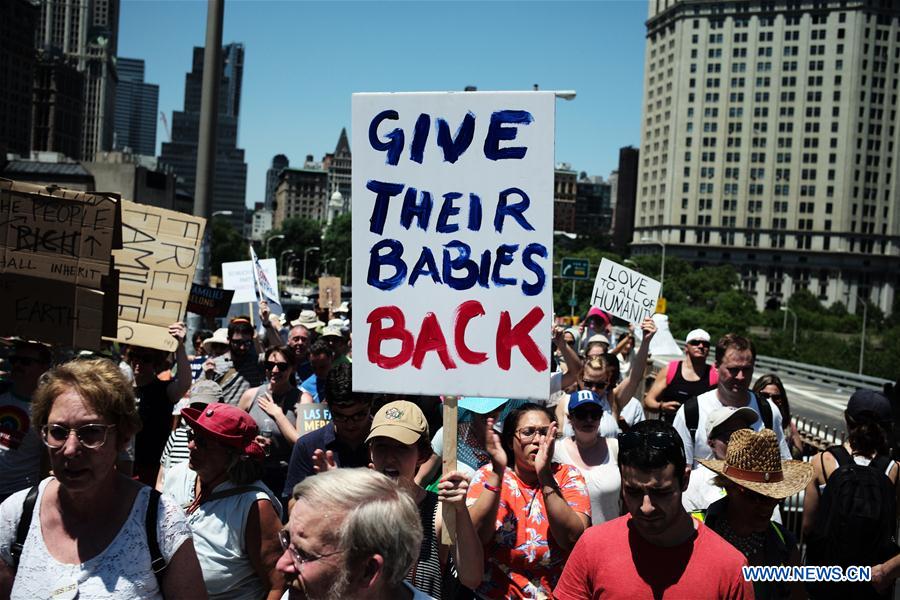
[[311, 387]]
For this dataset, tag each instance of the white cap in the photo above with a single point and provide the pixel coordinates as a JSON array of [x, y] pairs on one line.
[[598, 338], [697, 334], [744, 414]]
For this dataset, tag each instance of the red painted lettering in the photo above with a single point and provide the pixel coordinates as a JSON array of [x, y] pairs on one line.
[[431, 339], [518, 335], [467, 311], [396, 331]]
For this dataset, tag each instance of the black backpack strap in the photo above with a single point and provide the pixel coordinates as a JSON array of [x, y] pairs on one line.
[[15, 550], [157, 562], [765, 412], [841, 455], [880, 463], [692, 416]]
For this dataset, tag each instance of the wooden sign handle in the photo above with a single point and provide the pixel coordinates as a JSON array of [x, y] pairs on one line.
[[448, 465]]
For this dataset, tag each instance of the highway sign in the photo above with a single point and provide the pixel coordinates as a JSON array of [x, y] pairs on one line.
[[575, 268]]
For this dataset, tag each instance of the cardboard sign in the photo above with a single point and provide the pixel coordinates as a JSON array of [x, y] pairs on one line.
[[311, 417], [453, 237], [209, 301], [329, 292], [56, 275], [238, 276], [624, 293], [160, 249]]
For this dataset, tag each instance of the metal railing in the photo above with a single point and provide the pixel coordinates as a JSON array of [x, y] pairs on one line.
[[818, 436]]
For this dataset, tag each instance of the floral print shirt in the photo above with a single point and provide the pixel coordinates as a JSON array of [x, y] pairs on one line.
[[522, 560]]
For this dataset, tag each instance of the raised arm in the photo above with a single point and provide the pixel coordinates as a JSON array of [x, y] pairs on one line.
[[566, 525], [272, 337], [484, 511], [179, 386], [573, 361], [626, 389], [468, 552]]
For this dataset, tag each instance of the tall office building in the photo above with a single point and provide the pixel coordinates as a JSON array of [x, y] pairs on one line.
[[136, 106], [86, 33], [340, 171], [229, 188], [18, 20], [301, 193], [279, 162], [768, 140]]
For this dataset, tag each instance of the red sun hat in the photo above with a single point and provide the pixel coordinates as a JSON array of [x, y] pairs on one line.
[[227, 425]]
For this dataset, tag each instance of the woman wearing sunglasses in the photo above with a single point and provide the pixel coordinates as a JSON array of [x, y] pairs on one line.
[[528, 510], [88, 531], [770, 387], [273, 406]]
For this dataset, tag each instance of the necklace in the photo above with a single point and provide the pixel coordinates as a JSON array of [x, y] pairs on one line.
[[747, 544]]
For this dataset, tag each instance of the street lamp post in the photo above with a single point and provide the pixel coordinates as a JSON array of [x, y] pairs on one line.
[[862, 341], [325, 262], [281, 259], [305, 253], [269, 244], [662, 267], [346, 264], [784, 326]]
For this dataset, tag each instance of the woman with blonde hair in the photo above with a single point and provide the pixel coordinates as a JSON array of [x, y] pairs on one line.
[[88, 530]]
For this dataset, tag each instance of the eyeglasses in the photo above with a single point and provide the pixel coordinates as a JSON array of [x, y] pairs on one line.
[[773, 397], [357, 417], [664, 441], [271, 364], [698, 343], [199, 440], [594, 385], [527, 434], [92, 435], [299, 558], [587, 414]]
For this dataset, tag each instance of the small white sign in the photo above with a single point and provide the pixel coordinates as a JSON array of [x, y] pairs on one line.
[[624, 293], [238, 276]]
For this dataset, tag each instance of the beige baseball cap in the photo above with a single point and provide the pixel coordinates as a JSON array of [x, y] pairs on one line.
[[400, 420]]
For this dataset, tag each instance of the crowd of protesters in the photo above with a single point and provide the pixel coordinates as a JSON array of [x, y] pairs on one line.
[[143, 474]]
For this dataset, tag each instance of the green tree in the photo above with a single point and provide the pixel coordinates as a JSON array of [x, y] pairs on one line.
[[337, 245], [226, 245], [300, 234]]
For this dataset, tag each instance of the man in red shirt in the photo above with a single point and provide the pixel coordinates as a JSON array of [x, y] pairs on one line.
[[657, 551]]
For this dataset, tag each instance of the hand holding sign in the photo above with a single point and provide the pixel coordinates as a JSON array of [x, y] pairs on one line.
[[178, 331], [452, 489], [624, 293]]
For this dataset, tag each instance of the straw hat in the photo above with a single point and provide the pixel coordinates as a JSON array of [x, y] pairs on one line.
[[754, 462]]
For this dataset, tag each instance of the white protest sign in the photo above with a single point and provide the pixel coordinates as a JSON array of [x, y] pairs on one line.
[[452, 243], [238, 276], [624, 293]]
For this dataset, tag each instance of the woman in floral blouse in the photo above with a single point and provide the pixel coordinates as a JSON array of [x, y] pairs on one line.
[[528, 511]]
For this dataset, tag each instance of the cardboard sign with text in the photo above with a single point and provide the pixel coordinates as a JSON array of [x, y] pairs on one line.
[[329, 292], [238, 276], [209, 301], [56, 275], [453, 238], [624, 293], [160, 250]]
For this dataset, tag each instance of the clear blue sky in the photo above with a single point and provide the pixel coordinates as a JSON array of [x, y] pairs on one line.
[[304, 59]]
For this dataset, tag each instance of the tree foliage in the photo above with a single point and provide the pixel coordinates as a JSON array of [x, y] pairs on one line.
[[300, 234], [226, 245], [336, 246]]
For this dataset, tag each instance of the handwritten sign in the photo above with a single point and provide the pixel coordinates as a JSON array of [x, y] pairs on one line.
[[452, 241], [56, 275], [160, 249], [209, 301], [329, 292], [311, 417], [624, 293], [238, 276]]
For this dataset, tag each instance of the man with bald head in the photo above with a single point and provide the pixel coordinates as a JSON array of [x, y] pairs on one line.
[[299, 342]]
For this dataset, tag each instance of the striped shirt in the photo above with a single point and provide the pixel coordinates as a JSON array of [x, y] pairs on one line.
[[246, 374]]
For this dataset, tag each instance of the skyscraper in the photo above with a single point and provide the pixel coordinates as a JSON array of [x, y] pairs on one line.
[[279, 162], [180, 153], [136, 106], [340, 170], [86, 32], [768, 141], [18, 19]]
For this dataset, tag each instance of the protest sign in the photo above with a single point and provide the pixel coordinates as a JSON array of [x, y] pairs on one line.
[[311, 417], [56, 275], [209, 301], [160, 249], [266, 289], [624, 293], [238, 276], [452, 241], [329, 292]]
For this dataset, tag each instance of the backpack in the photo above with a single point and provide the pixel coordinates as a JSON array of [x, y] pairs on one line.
[[676, 364], [157, 562], [692, 415], [856, 519]]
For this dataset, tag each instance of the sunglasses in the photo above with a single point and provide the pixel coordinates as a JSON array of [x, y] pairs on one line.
[[90, 436], [271, 364], [664, 441], [240, 343], [772, 397], [698, 343], [199, 440], [733, 371], [586, 414], [594, 385]]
